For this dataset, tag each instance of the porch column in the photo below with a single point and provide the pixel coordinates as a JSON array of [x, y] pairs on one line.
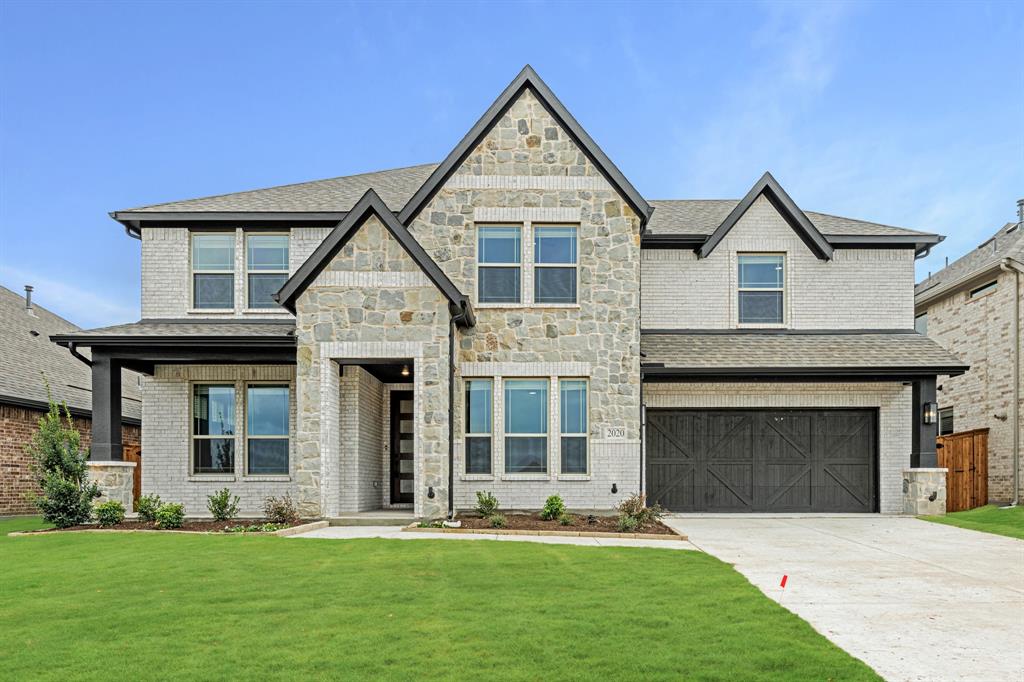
[[106, 408], [923, 453]]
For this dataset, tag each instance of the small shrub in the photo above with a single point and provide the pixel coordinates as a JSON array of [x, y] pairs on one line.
[[222, 506], [109, 513], [280, 510], [635, 506], [430, 524], [498, 521], [65, 502], [554, 507], [147, 506], [567, 520], [486, 503], [627, 524], [255, 528], [170, 516]]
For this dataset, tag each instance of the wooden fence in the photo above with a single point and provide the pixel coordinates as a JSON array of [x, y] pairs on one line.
[[133, 453], [965, 454]]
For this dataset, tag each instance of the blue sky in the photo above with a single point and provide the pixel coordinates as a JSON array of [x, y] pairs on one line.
[[908, 114]]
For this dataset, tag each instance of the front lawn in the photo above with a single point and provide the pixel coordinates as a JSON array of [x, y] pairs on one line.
[[150, 606], [988, 519]]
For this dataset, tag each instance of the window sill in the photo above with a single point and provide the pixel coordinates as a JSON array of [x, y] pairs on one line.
[[476, 477], [266, 478], [753, 325], [525, 477], [210, 311], [526, 306], [573, 477], [211, 478], [265, 311]]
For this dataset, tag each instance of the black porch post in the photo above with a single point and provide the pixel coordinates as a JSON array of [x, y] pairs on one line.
[[106, 408], [923, 453]]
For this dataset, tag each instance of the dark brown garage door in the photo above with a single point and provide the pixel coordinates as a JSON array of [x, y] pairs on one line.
[[762, 460]]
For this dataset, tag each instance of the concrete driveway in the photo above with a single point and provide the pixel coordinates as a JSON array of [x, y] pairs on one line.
[[912, 599]]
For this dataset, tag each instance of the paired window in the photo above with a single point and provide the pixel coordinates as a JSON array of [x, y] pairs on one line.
[[761, 281], [213, 429], [267, 268], [213, 271], [526, 414], [554, 265], [921, 324]]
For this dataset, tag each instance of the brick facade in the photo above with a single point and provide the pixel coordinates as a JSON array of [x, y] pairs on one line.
[[17, 426]]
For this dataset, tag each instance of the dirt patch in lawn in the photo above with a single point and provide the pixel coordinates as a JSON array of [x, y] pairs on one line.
[[193, 526], [580, 523]]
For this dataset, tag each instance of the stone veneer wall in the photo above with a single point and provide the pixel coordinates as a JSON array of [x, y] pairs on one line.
[[893, 401], [527, 171], [372, 301], [166, 438], [115, 481], [857, 289], [924, 491], [979, 331]]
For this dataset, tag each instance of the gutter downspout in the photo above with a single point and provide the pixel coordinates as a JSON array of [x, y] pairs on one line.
[[76, 353], [1009, 265], [459, 315]]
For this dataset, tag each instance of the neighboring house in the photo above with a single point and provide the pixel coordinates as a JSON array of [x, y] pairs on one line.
[[498, 321], [973, 308], [29, 362]]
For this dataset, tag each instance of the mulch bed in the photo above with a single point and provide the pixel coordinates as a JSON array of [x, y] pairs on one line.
[[194, 526], [596, 524]]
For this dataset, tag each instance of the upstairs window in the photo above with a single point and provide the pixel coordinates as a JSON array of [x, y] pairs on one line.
[[213, 271], [213, 429], [267, 429], [761, 288], [573, 408], [921, 324], [554, 260], [526, 426], [499, 264], [267, 268], [478, 426], [984, 289], [945, 421]]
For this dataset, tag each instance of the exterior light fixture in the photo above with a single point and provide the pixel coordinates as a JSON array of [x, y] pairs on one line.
[[930, 413], [405, 370]]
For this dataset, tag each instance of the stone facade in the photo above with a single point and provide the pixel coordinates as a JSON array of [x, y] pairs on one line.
[[924, 491], [857, 289], [980, 332], [17, 483], [114, 480]]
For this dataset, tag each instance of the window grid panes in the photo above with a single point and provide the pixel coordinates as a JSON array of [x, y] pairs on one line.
[[266, 428], [499, 264], [761, 281], [267, 267], [555, 257], [479, 411], [213, 271], [526, 426], [213, 429], [573, 412]]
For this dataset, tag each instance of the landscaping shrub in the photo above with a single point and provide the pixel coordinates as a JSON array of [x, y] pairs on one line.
[[147, 506], [498, 520], [170, 516], [567, 520], [254, 528], [109, 513], [627, 524], [635, 506], [486, 503], [553, 508], [280, 510], [60, 468], [222, 506]]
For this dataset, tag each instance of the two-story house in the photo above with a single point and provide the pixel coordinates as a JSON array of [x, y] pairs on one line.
[[973, 307], [520, 319]]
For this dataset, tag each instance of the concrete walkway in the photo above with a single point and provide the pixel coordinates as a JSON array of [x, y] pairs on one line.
[[912, 599], [395, 533]]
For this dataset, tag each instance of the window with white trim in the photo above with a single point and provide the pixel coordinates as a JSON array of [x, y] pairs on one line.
[[555, 258], [213, 271], [266, 263], [526, 426], [572, 405], [213, 429], [479, 417], [499, 264], [761, 288], [266, 429]]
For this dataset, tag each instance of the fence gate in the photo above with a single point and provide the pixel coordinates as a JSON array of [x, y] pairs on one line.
[[965, 455], [133, 453]]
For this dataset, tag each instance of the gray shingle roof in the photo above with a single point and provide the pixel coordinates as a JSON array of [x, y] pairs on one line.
[[1007, 242], [826, 349], [163, 329], [396, 187], [29, 355]]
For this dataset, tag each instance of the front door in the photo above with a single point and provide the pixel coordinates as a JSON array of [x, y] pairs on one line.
[[401, 447]]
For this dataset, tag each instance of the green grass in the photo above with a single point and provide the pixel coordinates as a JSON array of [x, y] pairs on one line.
[[146, 606], [988, 519]]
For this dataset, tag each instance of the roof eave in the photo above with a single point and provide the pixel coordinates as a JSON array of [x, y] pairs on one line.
[[659, 370]]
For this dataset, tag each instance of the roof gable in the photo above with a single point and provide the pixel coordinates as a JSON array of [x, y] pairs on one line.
[[787, 208], [368, 206], [527, 79]]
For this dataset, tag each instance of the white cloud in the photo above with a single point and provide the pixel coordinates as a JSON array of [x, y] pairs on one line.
[[69, 299]]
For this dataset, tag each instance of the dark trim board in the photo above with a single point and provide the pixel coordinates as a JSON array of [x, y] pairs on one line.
[[652, 372]]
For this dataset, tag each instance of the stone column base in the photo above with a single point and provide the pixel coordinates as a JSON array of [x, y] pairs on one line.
[[924, 491], [115, 480]]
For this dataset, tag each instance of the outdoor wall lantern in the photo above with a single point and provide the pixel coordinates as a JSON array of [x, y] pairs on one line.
[[930, 413], [405, 370]]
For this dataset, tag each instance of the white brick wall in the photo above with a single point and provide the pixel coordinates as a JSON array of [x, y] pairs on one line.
[[361, 423], [165, 273], [166, 437], [893, 401], [857, 289]]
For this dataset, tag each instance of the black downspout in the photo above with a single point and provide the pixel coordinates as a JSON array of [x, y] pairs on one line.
[[451, 419]]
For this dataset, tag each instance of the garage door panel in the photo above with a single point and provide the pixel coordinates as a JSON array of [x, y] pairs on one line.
[[762, 460]]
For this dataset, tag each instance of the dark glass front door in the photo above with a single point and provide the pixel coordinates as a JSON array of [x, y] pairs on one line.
[[401, 447]]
